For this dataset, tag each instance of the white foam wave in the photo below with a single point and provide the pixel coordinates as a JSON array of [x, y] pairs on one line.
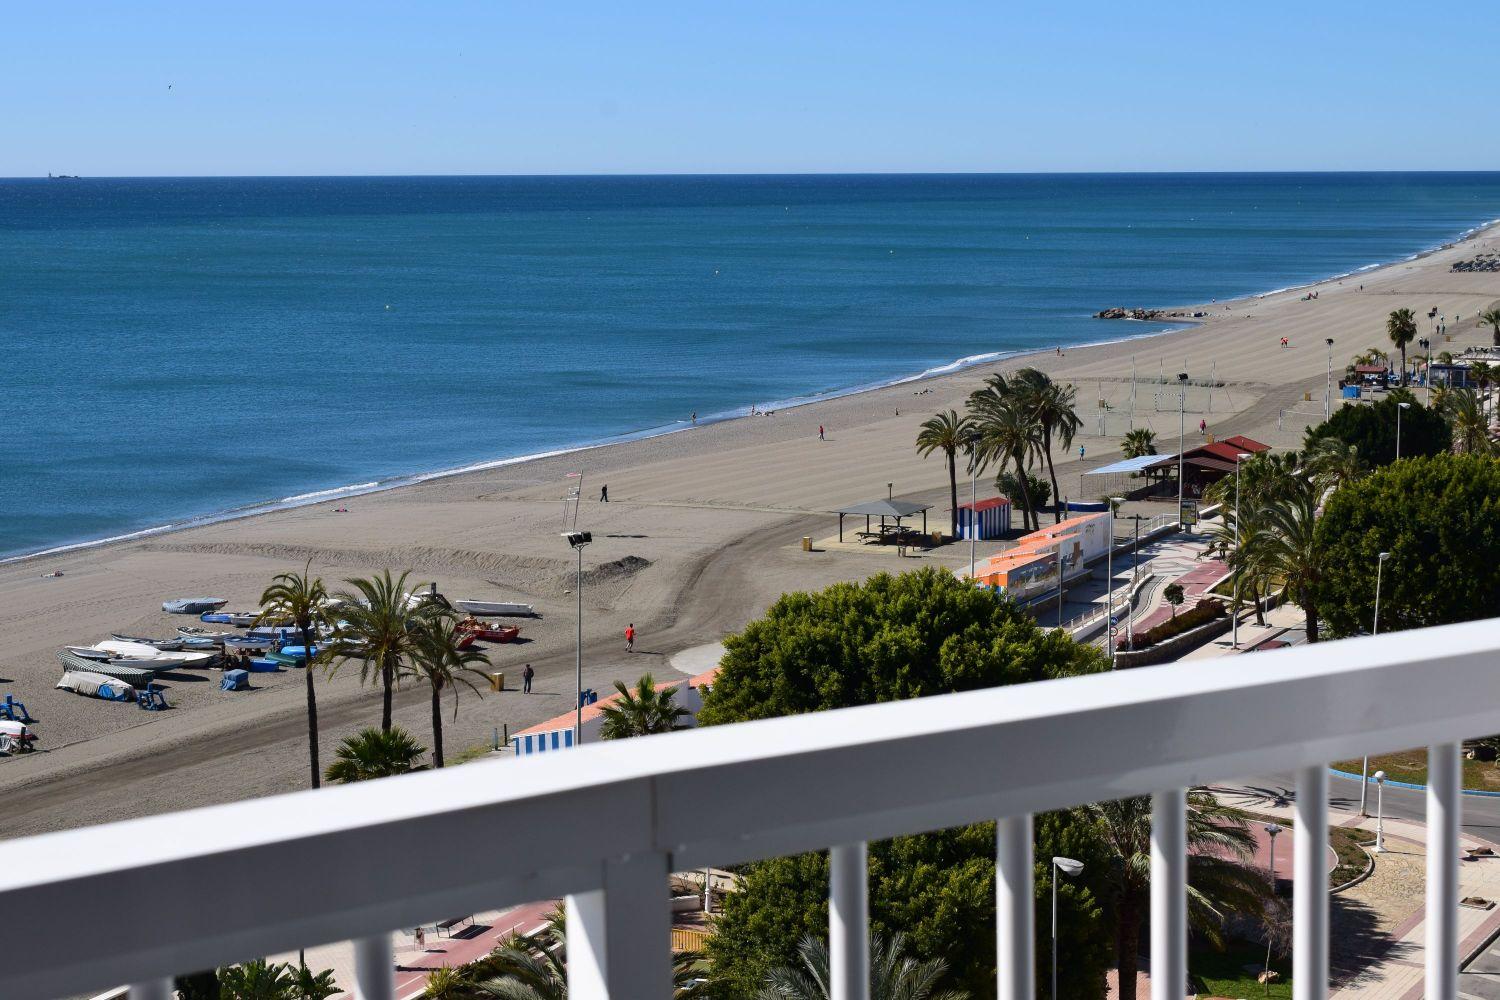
[[328, 494]]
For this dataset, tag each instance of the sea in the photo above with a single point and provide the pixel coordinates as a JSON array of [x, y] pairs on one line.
[[180, 350]]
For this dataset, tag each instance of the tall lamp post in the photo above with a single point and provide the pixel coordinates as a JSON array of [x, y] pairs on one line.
[[1181, 422], [1328, 389], [1379, 812], [1272, 829], [1238, 458], [1070, 868], [1399, 408], [1364, 768], [1109, 577], [579, 540], [1426, 346]]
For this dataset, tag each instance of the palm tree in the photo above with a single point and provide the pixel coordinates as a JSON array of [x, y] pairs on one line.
[[1401, 327], [1052, 406], [300, 599], [436, 658], [947, 432], [1333, 462], [1141, 441], [375, 753], [893, 975], [1492, 317], [1287, 551], [1471, 431], [376, 631], [1221, 880], [1482, 374], [262, 980], [645, 711], [1006, 432]]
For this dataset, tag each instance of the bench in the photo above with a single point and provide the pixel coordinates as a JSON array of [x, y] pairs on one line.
[[450, 923]]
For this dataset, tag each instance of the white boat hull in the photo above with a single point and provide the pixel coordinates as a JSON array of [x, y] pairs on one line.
[[502, 609]]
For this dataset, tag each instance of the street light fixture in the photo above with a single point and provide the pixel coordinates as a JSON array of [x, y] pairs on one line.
[[1379, 812], [1399, 408], [1426, 346], [1364, 768], [1328, 389], [1068, 867], [1181, 422], [579, 540], [1273, 829], [1109, 577], [1238, 458]]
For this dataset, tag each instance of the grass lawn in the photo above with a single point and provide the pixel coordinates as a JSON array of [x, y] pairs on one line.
[[1411, 766], [1225, 973]]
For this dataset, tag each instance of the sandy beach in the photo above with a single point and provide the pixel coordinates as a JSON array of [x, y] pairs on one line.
[[703, 531]]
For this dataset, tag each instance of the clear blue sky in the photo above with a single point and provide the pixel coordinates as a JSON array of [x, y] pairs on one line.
[[578, 86]]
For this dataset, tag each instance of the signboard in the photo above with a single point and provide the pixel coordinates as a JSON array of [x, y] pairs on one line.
[[1189, 512]]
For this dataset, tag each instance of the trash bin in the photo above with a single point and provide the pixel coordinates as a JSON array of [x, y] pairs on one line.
[[497, 681], [937, 538], [806, 543]]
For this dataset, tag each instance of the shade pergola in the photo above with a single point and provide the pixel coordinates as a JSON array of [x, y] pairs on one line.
[[898, 510]]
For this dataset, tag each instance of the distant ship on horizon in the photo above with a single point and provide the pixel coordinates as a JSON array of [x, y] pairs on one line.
[[62, 177]]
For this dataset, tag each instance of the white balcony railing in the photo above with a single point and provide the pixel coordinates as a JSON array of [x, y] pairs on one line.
[[135, 902]]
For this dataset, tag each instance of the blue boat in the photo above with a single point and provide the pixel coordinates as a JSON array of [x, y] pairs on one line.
[[214, 618]]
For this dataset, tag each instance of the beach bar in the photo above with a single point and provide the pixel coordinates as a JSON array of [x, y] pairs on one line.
[[985, 519]]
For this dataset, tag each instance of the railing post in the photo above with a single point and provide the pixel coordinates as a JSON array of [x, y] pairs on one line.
[[374, 968], [620, 935], [156, 989], [849, 922], [1310, 886], [1169, 895], [1444, 813], [1015, 909]]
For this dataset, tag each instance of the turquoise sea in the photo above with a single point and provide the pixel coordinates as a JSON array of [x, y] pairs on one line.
[[176, 349]]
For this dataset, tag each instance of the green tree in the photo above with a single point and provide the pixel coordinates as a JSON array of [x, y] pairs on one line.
[[1401, 327], [300, 598], [436, 659], [375, 753], [1221, 880], [262, 980], [1053, 407], [1007, 431], [893, 975], [889, 638], [1036, 488], [1287, 550], [646, 710], [376, 632], [1439, 518], [947, 432], [1333, 462], [309, 985], [1471, 430], [1174, 595], [1492, 317], [1372, 429], [1138, 442]]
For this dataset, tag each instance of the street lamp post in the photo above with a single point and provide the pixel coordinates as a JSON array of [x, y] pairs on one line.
[[1399, 408], [1070, 868], [1379, 812], [1238, 458], [973, 506], [1426, 346], [579, 540], [1364, 768], [1109, 577], [1272, 829], [1181, 422], [1328, 389]]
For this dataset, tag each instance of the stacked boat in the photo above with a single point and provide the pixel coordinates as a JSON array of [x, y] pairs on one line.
[[99, 670]]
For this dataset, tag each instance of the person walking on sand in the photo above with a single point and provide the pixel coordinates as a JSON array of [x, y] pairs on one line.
[[630, 638], [526, 676], [1203, 427], [604, 493], [820, 433]]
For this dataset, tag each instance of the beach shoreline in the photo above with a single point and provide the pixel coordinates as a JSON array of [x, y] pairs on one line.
[[703, 532]]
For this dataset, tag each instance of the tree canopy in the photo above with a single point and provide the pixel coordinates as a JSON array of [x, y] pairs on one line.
[[1439, 518], [1372, 429], [895, 637]]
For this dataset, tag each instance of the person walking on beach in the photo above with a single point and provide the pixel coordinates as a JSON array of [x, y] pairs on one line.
[[1203, 427], [695, 418], [526, 676], [604, 493], [820, 433], [630, 638]]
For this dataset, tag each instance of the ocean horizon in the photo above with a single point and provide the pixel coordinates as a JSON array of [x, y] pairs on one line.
[[191, 348]]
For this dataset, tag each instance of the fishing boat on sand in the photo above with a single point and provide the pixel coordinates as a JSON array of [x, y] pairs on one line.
[[197, 634], [193, 605], [170, 645], [93, 684], [142, 651], [132, 672], [488, 631], [502, 609]]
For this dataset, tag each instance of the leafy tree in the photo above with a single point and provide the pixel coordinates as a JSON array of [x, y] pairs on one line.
[[1053, 407], [1439, 518], [893, 976], [1471, 431], [309, 985], [889, 638], [376, 632], [436, 658], [301, 600], [1401, 327], [1174, 594], [1139, 442], [1372, 429], [646, 710], [1492, 317], [1007, 432], [1038, 489], [375, 753], [1221, 880], [262, 980], [1288, 551], [947, 433]]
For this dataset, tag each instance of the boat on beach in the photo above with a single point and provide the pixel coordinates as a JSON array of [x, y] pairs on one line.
[[488, 631], [94, 684], [502, 609], [170, 645], [140, 650], [249, 642], [193, 605], [132, 672], [203, 635]]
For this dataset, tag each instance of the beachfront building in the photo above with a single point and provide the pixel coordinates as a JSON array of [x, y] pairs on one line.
[[985, 519], [1042, 558], [1154, 477], [557, 733]]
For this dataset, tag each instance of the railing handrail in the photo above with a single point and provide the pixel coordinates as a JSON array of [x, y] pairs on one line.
[[190, 890]]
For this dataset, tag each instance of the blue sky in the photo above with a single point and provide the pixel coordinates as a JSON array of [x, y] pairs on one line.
[[329, 87]]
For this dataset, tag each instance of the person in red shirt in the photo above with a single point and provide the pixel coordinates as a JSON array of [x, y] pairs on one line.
[[630, 638]]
